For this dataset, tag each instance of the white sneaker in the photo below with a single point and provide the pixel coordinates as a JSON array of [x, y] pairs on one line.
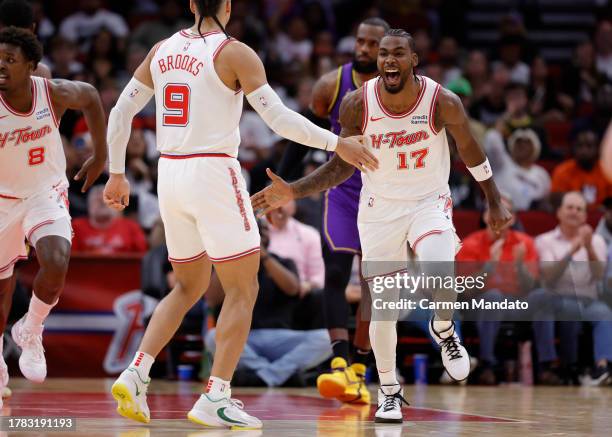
[[130, 392], [390, 401], [224, 412], [454, 356], [4, 378], [32, 360]]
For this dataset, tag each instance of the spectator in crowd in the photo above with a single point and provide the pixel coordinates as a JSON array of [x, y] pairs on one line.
[[422, 43], [170, 21], [256, 138], [300, 243], [153, 274], [583, 172], [478, 73], [603, 43], [310, 209], [104, 231], [448, 52], [604, 227], [509, 260], [294, 45], [510, 49], [572, 267], [142, 177], [275, 352], [463, 89], [545, 102], [580, 80], [63, 59], [515, 170], [518, 116], [492, 105], [45, 28], [82, 27]]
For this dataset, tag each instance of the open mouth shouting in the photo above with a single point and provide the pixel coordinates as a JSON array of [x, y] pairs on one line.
[[392, 76]]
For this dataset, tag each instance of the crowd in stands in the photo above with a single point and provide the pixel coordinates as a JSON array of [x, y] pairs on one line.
[[541, 124]]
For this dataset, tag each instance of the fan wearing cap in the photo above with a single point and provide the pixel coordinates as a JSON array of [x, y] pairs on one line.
[[462, 87], [515, 170]]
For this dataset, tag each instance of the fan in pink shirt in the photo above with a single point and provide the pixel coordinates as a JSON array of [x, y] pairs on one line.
[[300, 243]]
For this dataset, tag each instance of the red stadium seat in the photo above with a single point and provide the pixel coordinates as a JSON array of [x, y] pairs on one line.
[[594, 217], [537, 222], [558, 133], [466, 222]]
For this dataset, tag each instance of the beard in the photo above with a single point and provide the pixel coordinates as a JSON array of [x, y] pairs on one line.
[[364, 67]]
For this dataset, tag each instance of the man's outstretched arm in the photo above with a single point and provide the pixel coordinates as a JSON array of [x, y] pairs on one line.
[[330, 174]]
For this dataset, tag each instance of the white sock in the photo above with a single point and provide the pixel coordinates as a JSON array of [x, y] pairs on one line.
[[218, 388], [143, 362], [383, 337], [37, 312]]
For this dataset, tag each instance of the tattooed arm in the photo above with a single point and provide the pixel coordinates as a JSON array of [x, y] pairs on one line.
[[335, 171], [330, 174], [451, 115]]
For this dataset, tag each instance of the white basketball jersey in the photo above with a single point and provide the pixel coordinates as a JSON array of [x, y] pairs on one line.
[[31, 151], [414, 158], [196, 111]]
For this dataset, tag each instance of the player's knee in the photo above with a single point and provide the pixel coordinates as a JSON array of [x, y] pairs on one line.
[[190, 290], [54, 260], [244, 291], [335, 279]]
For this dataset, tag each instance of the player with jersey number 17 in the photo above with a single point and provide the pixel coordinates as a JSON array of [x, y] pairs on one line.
[[404, 118], [33, 184], [199, 77]]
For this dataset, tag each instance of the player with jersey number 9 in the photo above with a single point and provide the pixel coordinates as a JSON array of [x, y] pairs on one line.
[[199, 77]]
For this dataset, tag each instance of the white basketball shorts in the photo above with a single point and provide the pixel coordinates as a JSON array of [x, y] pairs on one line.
[[385, 225], [205, 208], [20, 218]]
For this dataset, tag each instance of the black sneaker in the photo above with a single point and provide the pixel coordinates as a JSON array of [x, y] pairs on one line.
[[599, 376]]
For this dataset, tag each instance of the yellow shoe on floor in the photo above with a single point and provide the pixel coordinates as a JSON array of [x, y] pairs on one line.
[[356, 391], [6, 393], [333, 385]]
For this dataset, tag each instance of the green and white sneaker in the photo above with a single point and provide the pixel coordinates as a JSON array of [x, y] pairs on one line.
[[130, 392], [224, 412]]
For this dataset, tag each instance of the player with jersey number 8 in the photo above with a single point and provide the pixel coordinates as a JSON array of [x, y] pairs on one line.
[[198, 77], [33, 184]]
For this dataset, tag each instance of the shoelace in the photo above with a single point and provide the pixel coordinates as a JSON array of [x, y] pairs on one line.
[[35, 341], [237, 403], [391, 401], [451, 346]]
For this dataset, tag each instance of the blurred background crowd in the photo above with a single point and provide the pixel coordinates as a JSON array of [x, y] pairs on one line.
[[535, 78]]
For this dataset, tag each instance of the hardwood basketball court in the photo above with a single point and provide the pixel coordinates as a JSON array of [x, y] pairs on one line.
[[507, 410]]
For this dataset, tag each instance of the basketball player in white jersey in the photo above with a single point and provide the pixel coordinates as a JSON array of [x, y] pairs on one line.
[[33, 195], [404, 119], [198, 77], [18, 13]]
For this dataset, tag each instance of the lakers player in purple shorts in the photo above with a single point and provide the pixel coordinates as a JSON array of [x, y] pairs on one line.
[[341, 237]]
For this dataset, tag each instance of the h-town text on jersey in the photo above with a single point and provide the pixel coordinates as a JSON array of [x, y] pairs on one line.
[[23, 135], [188, 63], [398, 139]]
